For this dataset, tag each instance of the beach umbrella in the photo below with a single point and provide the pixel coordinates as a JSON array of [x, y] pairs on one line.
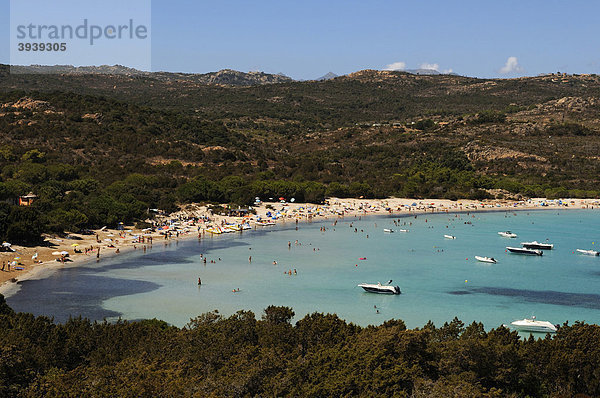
[[75, 244], [56, 253], [34, 256], [103, 228], [64, 253], [6, 244], [17, 258]]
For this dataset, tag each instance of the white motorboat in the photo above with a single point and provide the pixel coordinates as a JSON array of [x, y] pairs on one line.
[[533, 325], [265, 223], [449, 236], [507, 234], [523, 250], [389, 231], [589, 252], [486, 259], [537, 245], [404, 230], [379, 288]]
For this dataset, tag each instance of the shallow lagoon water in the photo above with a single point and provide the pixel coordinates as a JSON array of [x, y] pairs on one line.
[[439, 278]]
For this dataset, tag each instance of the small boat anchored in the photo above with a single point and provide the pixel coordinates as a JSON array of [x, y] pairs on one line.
[[533, 325], [589, 252], [507, 234], [491, 260], [537, 245], [389, 231], [449, 236], [523, 250], [266, 223], [379, 288]]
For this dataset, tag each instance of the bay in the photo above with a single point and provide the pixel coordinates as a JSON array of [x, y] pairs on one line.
[[439, 277]]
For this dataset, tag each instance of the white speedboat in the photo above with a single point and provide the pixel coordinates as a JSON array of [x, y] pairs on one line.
[[404, 230], [523, 250], [265, 223], [379, 288], [449, 236], [507, 234], [486, 259], [533, 325], [537, 245], [389, 231], [589, 252]]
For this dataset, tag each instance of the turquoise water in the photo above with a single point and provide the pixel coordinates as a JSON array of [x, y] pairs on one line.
[[439, 278]]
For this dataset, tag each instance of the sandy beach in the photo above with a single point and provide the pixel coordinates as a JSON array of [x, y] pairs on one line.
[[195, 221]]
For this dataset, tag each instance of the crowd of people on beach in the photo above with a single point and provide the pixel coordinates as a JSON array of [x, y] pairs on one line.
[[196, 222]]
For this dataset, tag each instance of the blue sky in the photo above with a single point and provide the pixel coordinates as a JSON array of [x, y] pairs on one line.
[[306, 39]]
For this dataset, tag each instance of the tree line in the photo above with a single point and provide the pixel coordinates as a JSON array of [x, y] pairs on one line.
[[319, 355]]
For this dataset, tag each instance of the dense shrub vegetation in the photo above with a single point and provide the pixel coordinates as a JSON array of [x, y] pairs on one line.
[[321, 355]]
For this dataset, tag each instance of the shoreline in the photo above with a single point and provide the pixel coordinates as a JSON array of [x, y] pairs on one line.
[[129, 239]]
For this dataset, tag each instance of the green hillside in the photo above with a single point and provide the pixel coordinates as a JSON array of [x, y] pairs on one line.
[[99, 149]]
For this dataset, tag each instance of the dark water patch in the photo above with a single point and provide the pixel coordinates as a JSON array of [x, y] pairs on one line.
[[218, 243], [582, 300], [70, 293], [147, 260], [459, 292]]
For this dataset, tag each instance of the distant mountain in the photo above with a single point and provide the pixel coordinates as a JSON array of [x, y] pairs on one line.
[[430, 72], [77, 70], [328, 76], [423, 71], [226, 77], [235, 78]]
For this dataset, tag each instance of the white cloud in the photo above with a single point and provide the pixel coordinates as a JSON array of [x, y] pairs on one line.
[[447, 71], [396, 66], [511, 66], [425, 65]]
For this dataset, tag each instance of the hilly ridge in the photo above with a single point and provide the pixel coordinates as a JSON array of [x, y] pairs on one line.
[[144, 141], [223, 77]]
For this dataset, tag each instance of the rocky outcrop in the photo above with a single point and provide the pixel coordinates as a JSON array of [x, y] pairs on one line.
[[235, 78], [475, 152], [30, 104]]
